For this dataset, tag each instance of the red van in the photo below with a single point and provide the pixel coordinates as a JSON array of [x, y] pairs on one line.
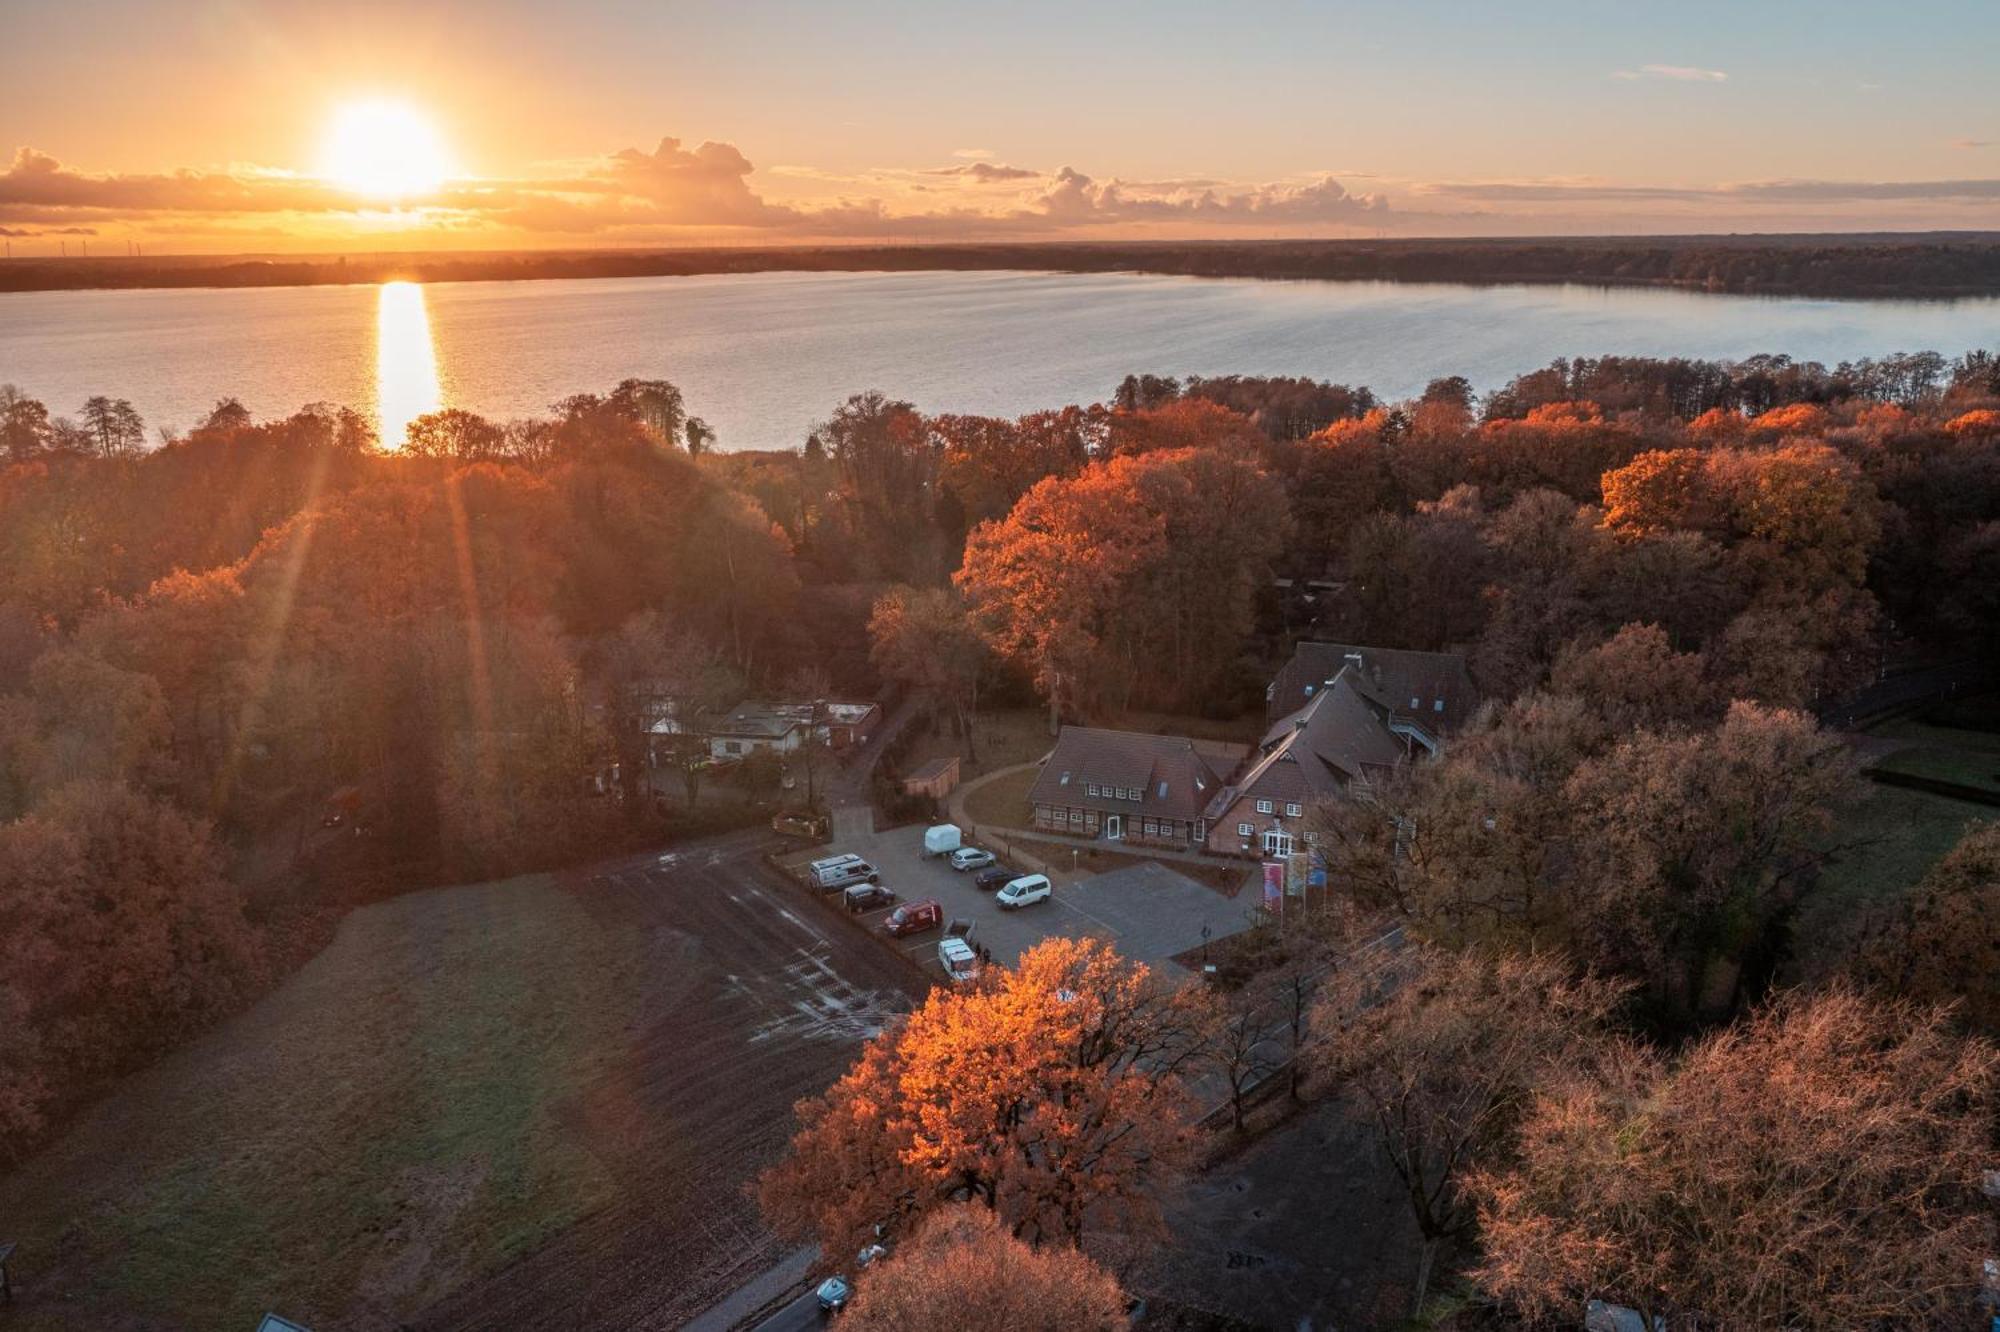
[[911, 917]]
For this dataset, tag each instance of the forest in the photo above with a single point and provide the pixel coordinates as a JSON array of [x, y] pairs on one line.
[[1658, 569], [1934, 266]]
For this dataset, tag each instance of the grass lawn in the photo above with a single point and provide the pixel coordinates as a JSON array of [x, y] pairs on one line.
[[1002, 802], [1969, 758], [1897, 835], [390, 1122], [1001, 739]]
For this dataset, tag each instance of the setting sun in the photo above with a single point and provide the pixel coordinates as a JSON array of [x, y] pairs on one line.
[[384, 150]]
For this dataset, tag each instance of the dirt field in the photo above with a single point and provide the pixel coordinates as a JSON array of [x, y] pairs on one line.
[[529, 1104]]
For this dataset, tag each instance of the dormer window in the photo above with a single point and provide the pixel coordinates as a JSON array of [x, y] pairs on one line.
[[1263, 807], [1064, 781], [1093, 788], [1163, 791]]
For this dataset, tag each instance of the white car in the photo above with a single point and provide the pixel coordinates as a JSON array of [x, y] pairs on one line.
[[1024, 891], [971, 858]]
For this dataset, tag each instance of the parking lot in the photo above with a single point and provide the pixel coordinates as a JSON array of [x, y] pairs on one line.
[[1147, 911]]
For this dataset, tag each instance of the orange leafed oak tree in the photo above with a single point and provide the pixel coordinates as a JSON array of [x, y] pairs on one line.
[[1051, 1094]]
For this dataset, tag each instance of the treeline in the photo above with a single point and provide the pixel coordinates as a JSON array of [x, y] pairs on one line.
[[1937, 265], [208, 647]]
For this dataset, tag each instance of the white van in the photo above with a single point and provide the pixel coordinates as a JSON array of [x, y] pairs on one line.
[[959, 960], [1024, 891], [833, 862], [942, 840], [840, 876]]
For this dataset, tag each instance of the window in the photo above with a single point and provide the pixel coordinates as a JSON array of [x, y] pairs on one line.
[[1064, 781], [1093, 788], [1264, 807], [1244, 830], [1416, 703], [1076, 816], [1292, 809], [1277, 843], [1152, 828], [732, 746], [1163, 790], [1438, 706]]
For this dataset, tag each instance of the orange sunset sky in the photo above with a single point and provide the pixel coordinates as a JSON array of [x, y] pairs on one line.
[[220, 127]]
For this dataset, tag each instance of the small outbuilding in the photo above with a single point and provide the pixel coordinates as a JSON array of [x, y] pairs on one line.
[[936, 779]]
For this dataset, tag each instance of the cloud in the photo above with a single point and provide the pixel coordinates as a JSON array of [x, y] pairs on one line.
[[1074, 198], [985, 172], [1970, 144], [1776, 191], [20, 233], [36, 187], [974, 153], [1675, 73], [674, 187]]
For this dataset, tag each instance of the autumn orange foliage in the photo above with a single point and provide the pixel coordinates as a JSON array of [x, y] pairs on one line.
[[964, 1270], [1816, 1166], [1051, 1095]]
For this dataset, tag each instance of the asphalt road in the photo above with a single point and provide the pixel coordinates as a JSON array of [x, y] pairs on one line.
[[752, 1000]]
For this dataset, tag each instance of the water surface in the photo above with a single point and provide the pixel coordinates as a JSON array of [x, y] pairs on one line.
[[763, 356]]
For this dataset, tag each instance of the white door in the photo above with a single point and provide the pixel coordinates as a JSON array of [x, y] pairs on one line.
[[1277, 843], [1111, 826]]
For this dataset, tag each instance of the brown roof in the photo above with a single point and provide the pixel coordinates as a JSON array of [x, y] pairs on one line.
[[1413, 685], [1171, 776], [935, 769], [1340, 736]]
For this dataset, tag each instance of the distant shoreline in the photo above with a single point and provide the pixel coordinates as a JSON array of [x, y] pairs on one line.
[[1933, 266]]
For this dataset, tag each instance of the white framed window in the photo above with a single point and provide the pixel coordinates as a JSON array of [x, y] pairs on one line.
[[1093, 788], [1438, 706], [1245, 829], [1264, 807], [1277, 843], [1293, 809]]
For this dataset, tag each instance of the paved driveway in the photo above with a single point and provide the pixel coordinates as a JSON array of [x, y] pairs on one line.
[[1147, 911]]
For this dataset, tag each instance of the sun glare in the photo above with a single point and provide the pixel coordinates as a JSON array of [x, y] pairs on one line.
[[384, 150], [406, 368]]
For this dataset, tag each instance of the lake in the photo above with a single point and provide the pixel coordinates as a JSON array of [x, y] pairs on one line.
[[763, 356]]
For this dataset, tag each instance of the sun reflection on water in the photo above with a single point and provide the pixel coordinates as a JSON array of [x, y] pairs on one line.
[[406, 369]]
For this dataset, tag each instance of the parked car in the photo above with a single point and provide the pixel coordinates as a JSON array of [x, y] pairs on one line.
[[989, 879], [1024, 891], [910, 917], [833, 862], [840, 876], [959, 960], [971, 858], [834, 1293], [867, 896]]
